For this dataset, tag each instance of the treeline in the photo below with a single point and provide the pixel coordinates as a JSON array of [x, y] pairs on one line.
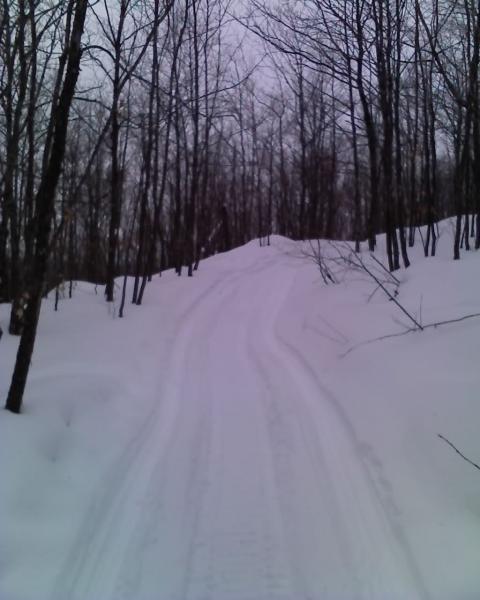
[[350, 118], [403, 76]]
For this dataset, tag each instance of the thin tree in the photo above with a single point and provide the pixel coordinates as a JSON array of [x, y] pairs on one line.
[[44, 202]]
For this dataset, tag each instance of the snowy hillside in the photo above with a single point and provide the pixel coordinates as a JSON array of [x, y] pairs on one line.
[[235, 438]]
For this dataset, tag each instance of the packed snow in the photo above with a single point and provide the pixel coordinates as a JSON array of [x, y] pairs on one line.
[[236, 438]]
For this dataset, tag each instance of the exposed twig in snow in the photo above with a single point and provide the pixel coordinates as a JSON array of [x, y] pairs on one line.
[[411, 330], [373, 293], [356, 261], [316, 255], [397, 281], [458, 451]]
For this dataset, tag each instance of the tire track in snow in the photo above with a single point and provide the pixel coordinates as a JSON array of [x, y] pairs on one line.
[[235, 550], [370, 542], [202, 565], [92, 564], [308, 465], [374, 478], [176, 489], [284, 427], [100, 544]]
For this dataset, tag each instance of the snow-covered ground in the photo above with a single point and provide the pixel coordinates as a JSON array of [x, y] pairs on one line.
[[222, 442]]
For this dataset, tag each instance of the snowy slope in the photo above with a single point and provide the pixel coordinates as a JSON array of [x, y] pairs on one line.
[[222, 442]]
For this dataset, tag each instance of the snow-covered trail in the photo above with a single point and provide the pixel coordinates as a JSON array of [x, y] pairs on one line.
[[247, 480]]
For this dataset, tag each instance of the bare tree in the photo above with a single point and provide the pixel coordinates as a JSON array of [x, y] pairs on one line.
[[45, 197]]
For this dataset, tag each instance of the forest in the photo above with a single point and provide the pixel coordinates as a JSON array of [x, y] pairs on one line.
[[142, 135]]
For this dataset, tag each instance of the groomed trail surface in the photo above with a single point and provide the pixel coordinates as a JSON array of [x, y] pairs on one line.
[[243, 475], [245, 482]]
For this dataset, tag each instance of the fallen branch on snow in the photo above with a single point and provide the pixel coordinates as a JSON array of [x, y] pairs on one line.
[[372, 255], [355, 261], [411, 330], [458, 451], [316, 254]]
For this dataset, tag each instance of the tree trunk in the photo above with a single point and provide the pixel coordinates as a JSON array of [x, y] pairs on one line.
[[44, 209]]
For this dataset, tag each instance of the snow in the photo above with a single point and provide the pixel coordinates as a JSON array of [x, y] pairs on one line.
[[235, 439]]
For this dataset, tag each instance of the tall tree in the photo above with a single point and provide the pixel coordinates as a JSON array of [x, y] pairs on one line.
[[45, 197]]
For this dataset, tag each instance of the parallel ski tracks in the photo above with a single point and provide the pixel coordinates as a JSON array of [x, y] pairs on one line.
[[101, 542], [337, 465], [311, 480], [105, 559]]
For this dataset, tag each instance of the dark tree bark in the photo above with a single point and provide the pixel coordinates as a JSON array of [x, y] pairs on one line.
[[44, 206]]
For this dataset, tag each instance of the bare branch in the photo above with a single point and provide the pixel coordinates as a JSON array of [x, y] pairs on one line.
[[458, 451]]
